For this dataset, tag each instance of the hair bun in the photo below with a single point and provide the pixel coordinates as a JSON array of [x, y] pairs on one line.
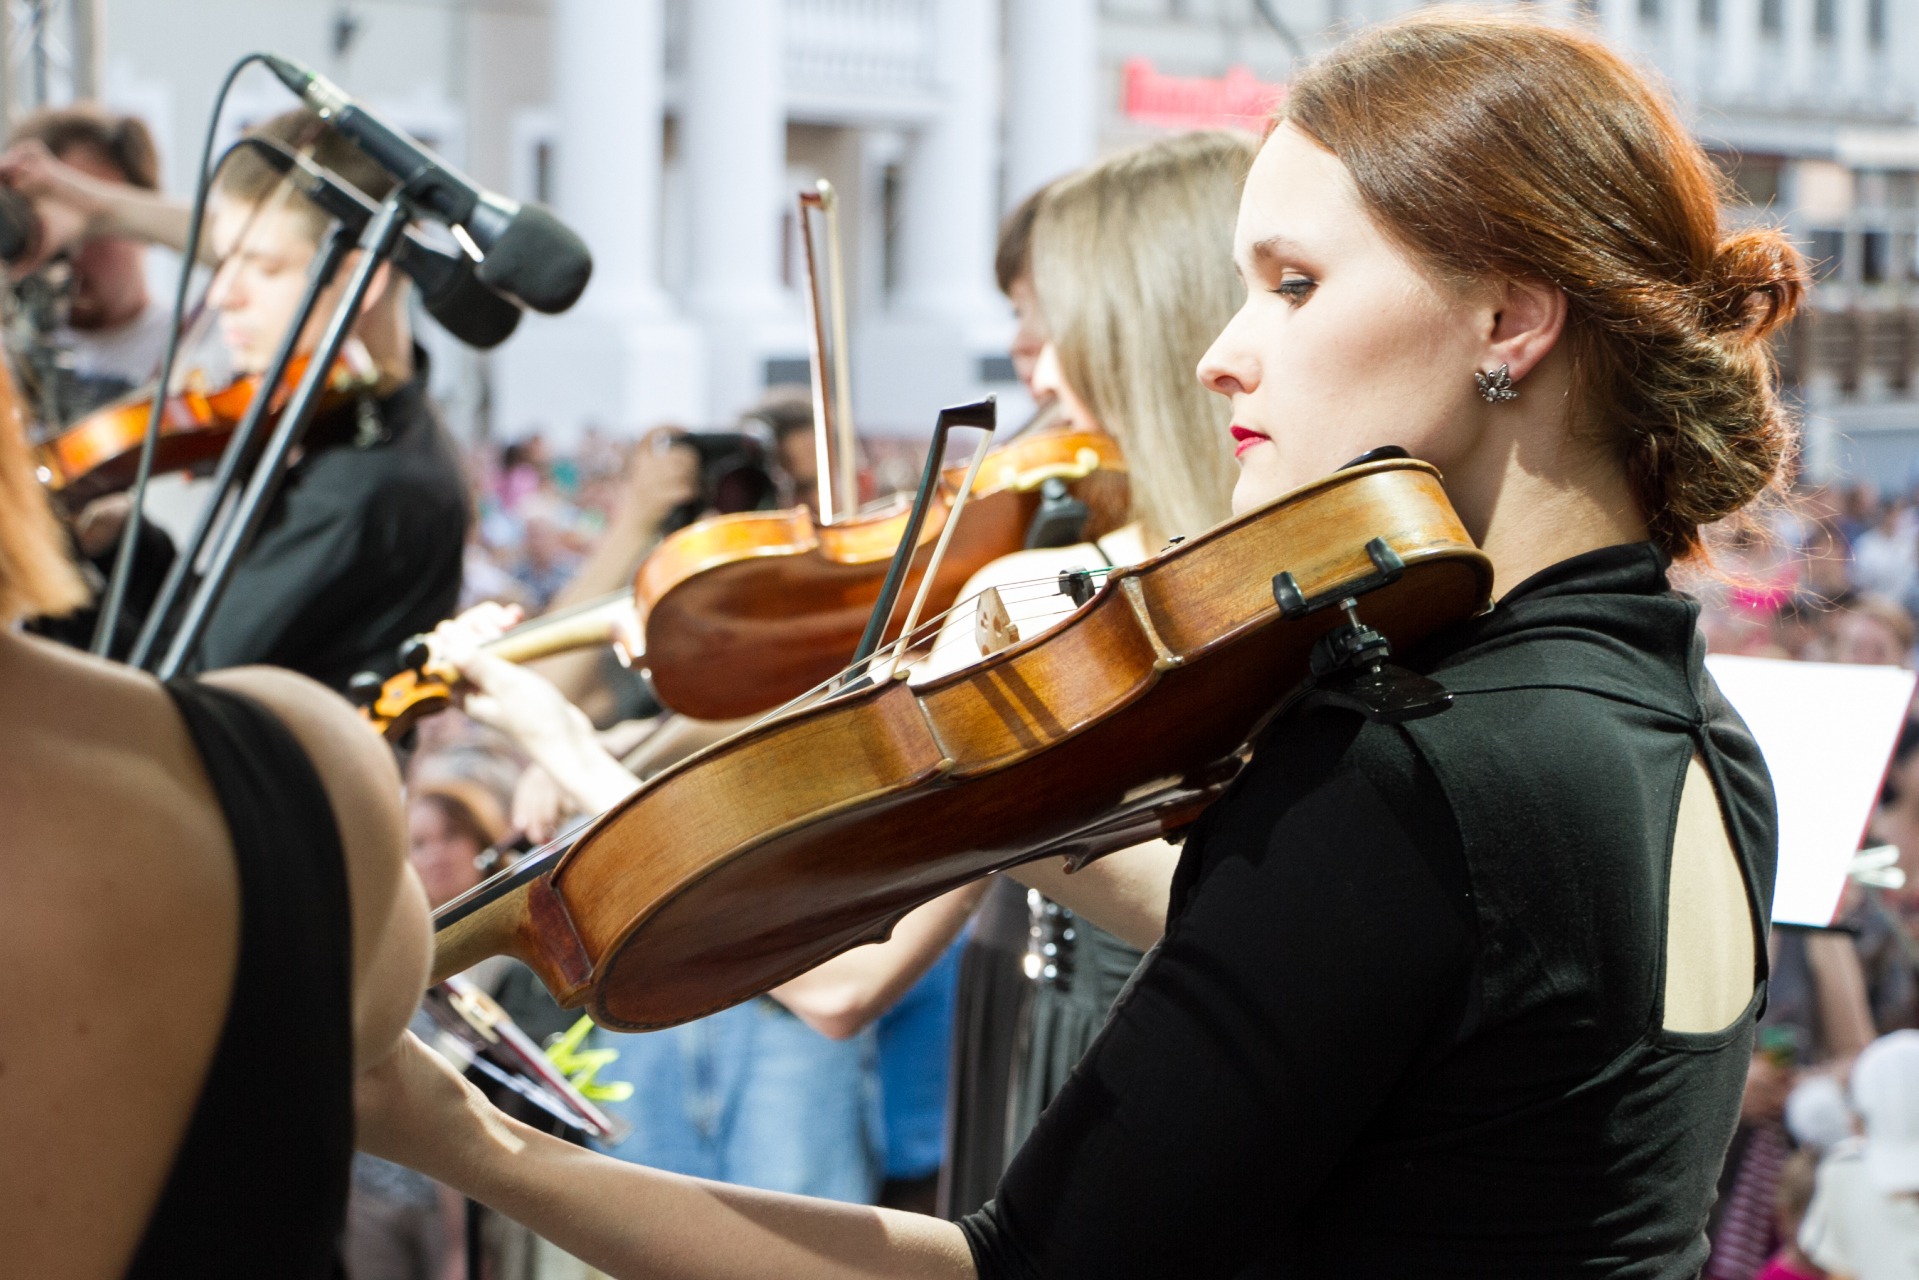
[[1754, 284]]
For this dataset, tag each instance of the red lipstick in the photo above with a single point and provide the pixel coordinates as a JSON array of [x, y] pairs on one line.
[[1245, 438]]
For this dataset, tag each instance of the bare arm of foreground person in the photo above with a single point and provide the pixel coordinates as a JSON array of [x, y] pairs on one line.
[[842, 997], [626, 1219], [391, 935], [125, 939]]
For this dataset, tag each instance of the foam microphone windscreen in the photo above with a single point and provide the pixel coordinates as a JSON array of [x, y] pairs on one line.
[[472, 312], [539, 260]]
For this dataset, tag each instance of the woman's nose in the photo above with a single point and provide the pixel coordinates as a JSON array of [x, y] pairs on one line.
[[1228, 367]]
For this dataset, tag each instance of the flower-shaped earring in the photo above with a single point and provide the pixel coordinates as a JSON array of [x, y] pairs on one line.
[[1497, 385]]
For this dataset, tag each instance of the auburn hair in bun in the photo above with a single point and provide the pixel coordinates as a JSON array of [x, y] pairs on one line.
[[1490, 145], [1755, 282]]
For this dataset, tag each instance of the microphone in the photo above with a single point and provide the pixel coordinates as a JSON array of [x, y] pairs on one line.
[[449, 290], [525, 251]]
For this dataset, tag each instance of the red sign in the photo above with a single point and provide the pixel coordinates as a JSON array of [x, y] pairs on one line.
[[1236, 100]]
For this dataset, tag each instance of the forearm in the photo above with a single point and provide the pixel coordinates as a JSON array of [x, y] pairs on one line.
[[632, 1221], [135, 214], [593, 780], [608, 568], [1124, 893], [577, 675], [844, 995], [612, 562], [1845, 1013]]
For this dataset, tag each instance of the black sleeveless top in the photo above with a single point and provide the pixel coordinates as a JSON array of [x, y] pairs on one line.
[[1406, 1016], [259, 1185]]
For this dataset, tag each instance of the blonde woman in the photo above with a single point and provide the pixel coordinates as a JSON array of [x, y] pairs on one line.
[[1128, 265]]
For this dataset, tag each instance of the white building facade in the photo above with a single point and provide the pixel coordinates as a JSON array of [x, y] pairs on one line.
[[675, 135]]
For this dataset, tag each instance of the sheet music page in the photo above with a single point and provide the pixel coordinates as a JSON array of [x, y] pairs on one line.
[[1827, 731]]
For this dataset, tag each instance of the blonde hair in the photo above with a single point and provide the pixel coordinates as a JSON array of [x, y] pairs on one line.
[[1132, 265], [37, 577]]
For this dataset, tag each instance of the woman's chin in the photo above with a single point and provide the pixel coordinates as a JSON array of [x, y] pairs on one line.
[[1260, 479]]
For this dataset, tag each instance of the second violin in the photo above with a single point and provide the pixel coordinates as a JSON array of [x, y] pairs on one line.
[[100, 453], [743, 612]]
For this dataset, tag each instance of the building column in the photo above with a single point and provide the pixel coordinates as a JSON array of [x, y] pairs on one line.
[[1797, 40], [733, 144], [1738, 73], [1855, 57], [622, 357], [1680, 45], [946, 313], [1052, 92]]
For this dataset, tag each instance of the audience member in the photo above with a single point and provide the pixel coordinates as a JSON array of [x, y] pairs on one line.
[[1863, 1221]]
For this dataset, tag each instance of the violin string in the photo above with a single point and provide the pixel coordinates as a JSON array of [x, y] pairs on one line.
[[1040, 587]]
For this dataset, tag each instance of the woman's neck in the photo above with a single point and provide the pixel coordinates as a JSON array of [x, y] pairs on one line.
[[1534, 495]]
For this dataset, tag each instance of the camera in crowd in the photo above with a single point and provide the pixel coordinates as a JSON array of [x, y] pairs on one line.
[[735, 473], [20, 229]]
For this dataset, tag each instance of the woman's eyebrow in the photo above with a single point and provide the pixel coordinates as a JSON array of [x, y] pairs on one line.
[[1276, 248]]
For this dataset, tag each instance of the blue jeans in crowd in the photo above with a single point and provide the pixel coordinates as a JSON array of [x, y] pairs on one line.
[[753, 1096]]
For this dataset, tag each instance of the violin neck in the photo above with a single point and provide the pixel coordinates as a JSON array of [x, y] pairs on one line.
[[495, 918], [595, 622]]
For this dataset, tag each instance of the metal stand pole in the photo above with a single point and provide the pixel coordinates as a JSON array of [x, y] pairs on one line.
[[475, 1240], [326, 265], [382, 235]]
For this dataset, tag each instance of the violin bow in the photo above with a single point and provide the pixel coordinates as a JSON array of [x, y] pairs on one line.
[[983, 414], [833, 438]]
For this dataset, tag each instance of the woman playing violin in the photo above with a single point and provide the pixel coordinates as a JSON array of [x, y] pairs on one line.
[[1471, 995]]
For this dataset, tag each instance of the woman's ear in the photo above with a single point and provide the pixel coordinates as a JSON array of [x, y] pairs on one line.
[[1528, 317]]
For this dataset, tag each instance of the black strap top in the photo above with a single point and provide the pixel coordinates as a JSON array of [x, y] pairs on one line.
[[259, 1185]]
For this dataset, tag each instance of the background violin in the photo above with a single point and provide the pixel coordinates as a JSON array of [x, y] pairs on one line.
[[425, 686], [818, 828], [740, 613], [100, 453]]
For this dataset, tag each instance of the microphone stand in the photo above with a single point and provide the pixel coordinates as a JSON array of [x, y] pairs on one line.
[[326, 265], [377, 245]]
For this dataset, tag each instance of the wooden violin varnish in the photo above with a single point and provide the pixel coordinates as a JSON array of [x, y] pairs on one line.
[[818, 828]]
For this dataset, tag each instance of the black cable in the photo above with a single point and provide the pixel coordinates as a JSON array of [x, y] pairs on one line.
[[1280, 27], [116, 592]]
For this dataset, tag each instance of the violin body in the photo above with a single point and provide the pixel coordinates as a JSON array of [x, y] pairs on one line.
[[743, 612], [816, 830], [100, 453]]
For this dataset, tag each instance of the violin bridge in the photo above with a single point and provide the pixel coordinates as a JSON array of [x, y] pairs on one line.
[[993, 626]]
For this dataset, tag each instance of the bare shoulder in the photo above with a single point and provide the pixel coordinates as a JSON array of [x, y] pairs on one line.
[[335, 737], [121, 950], [363, 786]]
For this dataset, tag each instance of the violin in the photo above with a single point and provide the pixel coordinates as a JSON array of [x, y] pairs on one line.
[[819, 827], [393, 706], [740, 613], [100, 453]]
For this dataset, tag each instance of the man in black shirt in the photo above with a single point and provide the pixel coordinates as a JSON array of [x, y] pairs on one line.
[[362, 545]]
